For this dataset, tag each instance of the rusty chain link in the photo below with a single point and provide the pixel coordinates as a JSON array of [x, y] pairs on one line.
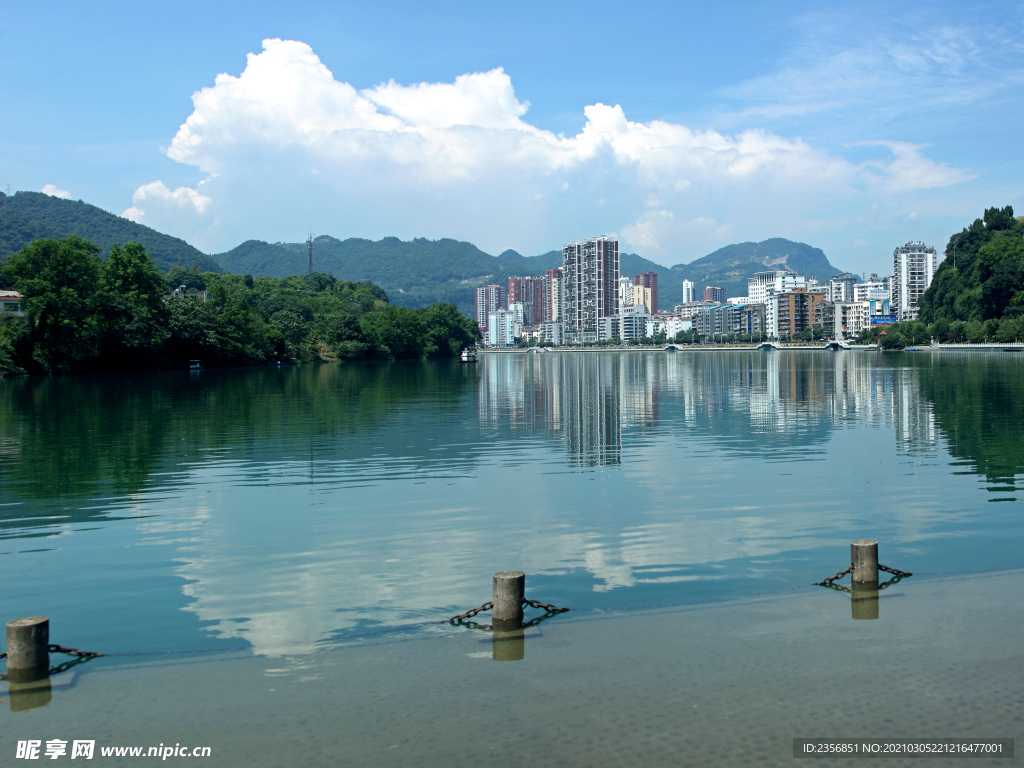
[[470, 614], [893, 571], [74, 652], [828, 582], [545, 606], [551, 609]]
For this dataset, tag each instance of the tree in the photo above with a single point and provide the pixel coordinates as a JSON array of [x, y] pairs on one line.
[[58, 280], [449, 331], [398, 332], [131, 306]]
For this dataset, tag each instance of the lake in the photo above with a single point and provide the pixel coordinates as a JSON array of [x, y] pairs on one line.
[[266, 555]]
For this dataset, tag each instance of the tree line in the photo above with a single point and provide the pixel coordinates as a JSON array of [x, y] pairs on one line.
[[85, 314]]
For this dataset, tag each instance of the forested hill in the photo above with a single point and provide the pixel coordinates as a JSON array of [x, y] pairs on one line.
[[415, 273], [986, 279], [419, 272], [26, 216], [729, 267]]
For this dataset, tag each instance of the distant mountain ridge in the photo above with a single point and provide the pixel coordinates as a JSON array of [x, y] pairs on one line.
[[27, 216], [419, 272], [729, 267], [414, 273]]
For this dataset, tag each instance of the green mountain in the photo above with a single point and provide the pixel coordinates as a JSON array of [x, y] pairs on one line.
[[418, 272], [414, 273], [729, 267], [26, 216]]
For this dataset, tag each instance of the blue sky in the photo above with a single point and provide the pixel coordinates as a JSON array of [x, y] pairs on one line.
[[678, 128]]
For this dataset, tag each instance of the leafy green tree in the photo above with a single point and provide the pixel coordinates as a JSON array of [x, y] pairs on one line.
[[398, 332], [448, 330], [58, 280], [893, 340]]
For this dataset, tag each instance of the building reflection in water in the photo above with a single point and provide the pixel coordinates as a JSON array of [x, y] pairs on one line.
[[754, 401]]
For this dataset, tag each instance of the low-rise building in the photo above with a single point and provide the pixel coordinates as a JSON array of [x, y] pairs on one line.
[[10, 304], [726, 319], [550, 332]]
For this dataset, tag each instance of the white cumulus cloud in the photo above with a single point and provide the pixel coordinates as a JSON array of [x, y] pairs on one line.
[[286, 143], [52, 191]]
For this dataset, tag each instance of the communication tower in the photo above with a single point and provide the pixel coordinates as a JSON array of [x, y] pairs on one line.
[[309, 242]]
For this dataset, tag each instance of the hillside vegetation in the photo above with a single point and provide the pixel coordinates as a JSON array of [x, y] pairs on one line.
[[418, 272], [84, 314], [986, 281], [27, 216]]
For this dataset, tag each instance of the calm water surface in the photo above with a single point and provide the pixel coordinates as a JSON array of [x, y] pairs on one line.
[[302, 528]]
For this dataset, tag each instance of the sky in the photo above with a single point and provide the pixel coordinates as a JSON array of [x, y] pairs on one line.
[[678, 128]]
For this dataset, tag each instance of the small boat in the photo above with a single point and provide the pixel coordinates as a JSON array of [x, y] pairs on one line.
[[469, 355], [195, 365]]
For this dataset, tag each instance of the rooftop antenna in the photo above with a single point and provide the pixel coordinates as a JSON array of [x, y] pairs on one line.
[[309, 242], [8, 190]]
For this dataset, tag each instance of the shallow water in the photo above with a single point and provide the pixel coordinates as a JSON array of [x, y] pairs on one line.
[[305, 527]]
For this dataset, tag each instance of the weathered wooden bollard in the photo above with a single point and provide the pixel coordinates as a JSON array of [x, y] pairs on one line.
[[509, 588], [864, 559], [28, 644]]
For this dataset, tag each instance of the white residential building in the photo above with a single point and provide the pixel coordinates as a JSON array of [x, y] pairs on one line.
[[689, 292], [913, 270], [764, 286], [501, 329], [841, 287], [625, 291], [862, 290]]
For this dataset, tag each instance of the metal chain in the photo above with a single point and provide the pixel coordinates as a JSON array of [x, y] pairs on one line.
[[893, 571], [828, 582], [544, 606], [74, 652], [488, 606], [3, 655], [470, 614]]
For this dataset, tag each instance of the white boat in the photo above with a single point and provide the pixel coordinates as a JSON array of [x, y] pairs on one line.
[[469, 355], [195, 365]]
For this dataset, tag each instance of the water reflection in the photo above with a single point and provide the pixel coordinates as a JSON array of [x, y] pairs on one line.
[[756, 403], [283, 507]]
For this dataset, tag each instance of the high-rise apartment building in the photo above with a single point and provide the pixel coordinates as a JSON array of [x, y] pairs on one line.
[[841, 288], [489, 298], [689, 292], [649, 280], [552, 309], [913, 270], [641, 297], [715, 294], [590, 274], [528, 289], [625, 292]]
